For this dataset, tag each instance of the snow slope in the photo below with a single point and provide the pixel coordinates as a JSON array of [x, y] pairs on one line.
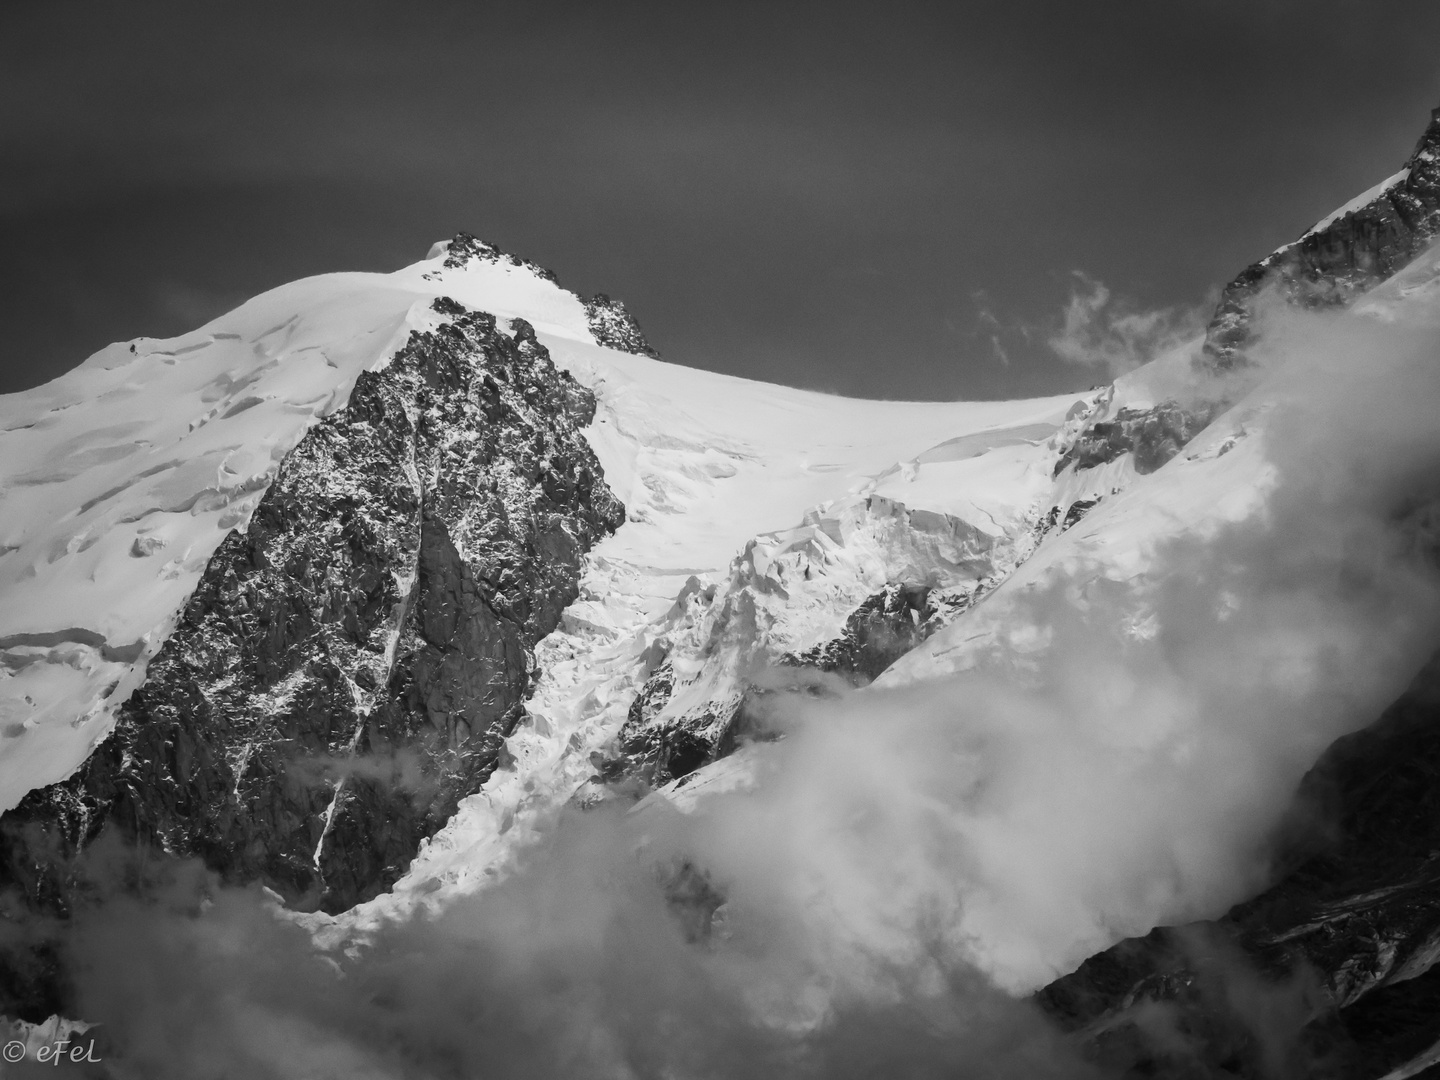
[[1223, 476], [119, 480]]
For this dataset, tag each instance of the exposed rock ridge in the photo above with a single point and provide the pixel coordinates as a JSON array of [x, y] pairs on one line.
[[349, 664], [1153, 436], [1327, 267], [465, 248], [610, 322], [614, 327], [1330, 266], [886, 626], [1346, 942], [652, 750]]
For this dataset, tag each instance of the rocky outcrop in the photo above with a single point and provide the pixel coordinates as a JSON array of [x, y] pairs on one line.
[[651, 750], [615, 328], [465, 249], [1056, 522], [1153, 436], [1329, 973], [647, 754], [1330, 266], [881, 630], [610, 322], [350, 662]]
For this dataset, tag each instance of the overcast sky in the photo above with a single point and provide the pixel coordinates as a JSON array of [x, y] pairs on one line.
[[879, 199]]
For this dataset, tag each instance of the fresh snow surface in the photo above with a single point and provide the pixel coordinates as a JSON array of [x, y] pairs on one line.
[[1221, 477]]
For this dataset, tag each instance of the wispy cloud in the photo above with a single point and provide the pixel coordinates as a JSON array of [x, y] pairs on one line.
[[989, 325], [1114, 334]]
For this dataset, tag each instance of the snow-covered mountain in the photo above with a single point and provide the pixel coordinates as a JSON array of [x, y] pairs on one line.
[[357, 590]]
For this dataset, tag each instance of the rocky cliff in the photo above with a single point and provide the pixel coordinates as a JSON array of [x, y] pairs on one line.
[[350, 662], [612, 325], [1359, 246], [1356, 248]]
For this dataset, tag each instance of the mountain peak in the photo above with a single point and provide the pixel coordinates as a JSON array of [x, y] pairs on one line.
[[466, 248]]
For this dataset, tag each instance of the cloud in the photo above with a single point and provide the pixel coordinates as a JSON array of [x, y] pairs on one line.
[[988, 324], [1113, 334]]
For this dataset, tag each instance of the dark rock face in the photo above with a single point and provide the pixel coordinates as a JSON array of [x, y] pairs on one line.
[[1053, 521], [348, 666], [882, 629], [1332, 968], [1153, 435], [466, 248], [615, 328], [1331, 266], [648, 755], [1325, 268]]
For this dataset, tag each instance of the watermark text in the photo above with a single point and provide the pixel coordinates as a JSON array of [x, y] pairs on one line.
[[51, 1053]]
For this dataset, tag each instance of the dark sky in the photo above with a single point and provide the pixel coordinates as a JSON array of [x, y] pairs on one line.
[[840, 196]]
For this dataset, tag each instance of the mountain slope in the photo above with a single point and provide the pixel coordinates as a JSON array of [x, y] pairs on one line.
[[359, 590], [1347, 252], [349, 531]]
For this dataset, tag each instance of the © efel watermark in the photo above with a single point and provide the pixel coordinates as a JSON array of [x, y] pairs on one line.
[[52, 1053]]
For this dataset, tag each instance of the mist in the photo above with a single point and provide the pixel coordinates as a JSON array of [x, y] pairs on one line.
[[1114, 335], [1120, 752], [912, 860]]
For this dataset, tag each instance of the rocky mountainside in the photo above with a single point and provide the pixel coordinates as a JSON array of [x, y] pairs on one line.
[[1361, 244], [348, 665], [1357, 247], [405, 584], [359, 589]]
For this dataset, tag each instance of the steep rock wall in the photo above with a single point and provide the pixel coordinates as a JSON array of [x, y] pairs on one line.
[[349, 664], [1332, 265]]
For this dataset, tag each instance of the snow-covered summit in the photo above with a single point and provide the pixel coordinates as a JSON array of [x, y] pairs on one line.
[[119, 479], [123, 479]]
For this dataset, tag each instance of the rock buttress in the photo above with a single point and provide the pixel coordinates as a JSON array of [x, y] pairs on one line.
[[1331, 266], [348, 666]]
